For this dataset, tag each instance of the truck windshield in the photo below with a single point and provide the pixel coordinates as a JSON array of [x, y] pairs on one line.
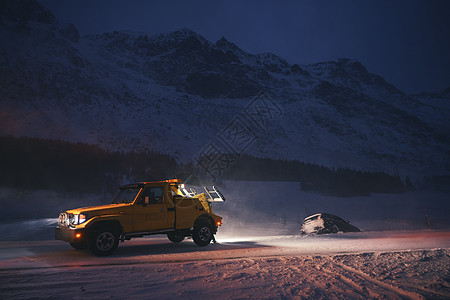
[[126, 195]]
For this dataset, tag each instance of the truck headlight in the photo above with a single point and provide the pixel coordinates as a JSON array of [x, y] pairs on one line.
[[82, 218], [77, 219]]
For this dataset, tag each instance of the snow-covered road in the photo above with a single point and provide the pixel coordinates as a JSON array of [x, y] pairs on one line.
[[409, 264]]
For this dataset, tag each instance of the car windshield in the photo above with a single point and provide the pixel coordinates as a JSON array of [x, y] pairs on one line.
[[126, 195]]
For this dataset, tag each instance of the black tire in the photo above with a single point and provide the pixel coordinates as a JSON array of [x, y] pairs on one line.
[[202, 234], [79, 246], [103, 242], [175, 237]]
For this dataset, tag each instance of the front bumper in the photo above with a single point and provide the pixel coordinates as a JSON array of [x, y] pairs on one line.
[[70, 235]]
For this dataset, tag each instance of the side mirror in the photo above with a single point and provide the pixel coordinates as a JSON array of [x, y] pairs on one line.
[[146, 201], [143, 201]]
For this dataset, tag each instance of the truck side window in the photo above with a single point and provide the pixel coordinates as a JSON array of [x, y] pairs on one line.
[[156, 196], [152, 195]]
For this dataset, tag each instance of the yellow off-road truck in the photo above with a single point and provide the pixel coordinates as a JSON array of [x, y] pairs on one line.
[[140, 209]]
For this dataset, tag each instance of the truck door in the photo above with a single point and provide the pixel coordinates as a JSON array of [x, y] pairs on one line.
[[150, 211]]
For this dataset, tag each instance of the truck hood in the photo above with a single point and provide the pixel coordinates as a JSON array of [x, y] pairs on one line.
[[91, 209]]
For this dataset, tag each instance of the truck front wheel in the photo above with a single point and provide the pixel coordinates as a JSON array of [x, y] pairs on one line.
[[202, 234], [175, 237], [103, 242]]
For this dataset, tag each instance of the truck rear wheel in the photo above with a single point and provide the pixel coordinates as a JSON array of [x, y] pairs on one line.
[[175, 237], [202, 234], [103, 242]]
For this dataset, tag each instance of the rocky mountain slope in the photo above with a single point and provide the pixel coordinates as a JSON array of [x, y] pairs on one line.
[[181, 94]]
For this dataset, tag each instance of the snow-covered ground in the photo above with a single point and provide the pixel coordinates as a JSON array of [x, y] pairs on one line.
[[259, 254], [412, 265]]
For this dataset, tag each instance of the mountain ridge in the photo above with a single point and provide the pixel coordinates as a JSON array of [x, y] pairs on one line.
[[178, 92]]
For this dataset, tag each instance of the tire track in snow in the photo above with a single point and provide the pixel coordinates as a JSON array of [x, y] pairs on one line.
[[422, 288], [322, 273], [350, 282], [375, 282]]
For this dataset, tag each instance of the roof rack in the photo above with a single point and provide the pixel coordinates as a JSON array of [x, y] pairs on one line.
[[190, 193], [214, 195]]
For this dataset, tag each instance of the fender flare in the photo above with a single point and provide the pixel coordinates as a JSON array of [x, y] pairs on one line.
[[98, 223], [206, 218]]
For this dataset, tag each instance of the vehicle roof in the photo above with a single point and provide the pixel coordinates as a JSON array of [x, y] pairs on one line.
[[312, 216], [323, 214], [142, 183], [331, 216]]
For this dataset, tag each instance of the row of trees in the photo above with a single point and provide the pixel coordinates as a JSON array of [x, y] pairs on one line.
[[338, 182], [31, 163]]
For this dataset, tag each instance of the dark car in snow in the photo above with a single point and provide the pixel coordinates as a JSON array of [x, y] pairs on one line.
[[326, 223]]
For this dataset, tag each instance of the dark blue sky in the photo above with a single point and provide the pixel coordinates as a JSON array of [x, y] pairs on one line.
[[407, 42]]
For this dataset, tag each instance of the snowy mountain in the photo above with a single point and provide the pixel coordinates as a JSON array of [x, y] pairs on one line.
[[181, 94]]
